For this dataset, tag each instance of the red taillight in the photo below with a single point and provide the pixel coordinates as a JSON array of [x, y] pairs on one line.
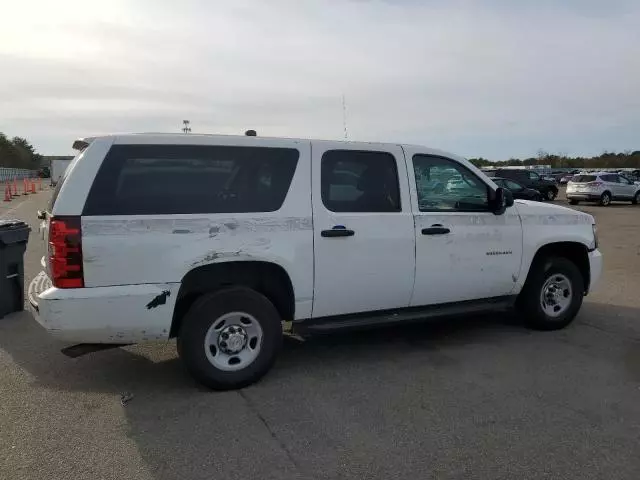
[[594, 184], [65, 252]]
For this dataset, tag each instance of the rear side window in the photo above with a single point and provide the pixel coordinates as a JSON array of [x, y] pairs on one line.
[[183, 179], [61, 181], [359, 181], [583, 178]]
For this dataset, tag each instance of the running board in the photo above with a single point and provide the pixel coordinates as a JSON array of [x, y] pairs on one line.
[[403, 315]]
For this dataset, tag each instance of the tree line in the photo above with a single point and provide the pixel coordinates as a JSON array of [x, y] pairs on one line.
[[17, 152], [606, 160]]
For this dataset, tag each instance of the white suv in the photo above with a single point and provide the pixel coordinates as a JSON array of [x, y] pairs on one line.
[[216, 240], [602, 187]]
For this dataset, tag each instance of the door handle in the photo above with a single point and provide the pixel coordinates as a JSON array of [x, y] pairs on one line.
[[337, 231], [436, 229]]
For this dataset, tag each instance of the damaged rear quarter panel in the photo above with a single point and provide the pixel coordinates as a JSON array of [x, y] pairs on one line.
[[117, 314], [162, 249]]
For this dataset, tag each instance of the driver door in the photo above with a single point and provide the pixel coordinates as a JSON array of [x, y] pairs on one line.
[[463, 250]]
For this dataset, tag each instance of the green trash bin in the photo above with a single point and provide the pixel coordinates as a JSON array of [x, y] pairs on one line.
[[14, 235]]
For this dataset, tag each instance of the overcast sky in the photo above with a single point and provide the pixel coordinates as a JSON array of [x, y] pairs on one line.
[[492, 78]]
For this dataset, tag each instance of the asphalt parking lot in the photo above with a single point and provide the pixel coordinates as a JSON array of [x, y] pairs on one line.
[[469, 398]]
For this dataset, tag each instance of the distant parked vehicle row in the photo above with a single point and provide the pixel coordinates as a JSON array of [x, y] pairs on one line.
[[528, 179], [602, 187]]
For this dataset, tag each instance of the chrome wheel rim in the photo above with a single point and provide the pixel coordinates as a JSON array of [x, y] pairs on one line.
[[550, 195], [556, 295], [233, 341], [606, 200]]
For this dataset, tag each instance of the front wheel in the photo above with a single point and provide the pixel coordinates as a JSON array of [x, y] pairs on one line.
[[636, 198], [551, 194], [229, 339], [573, 202], [552, 295]]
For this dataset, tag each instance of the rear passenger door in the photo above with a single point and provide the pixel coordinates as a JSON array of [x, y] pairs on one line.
[[363, 229], [611, 183]]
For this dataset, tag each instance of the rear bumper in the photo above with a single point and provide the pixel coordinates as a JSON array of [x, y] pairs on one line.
[[590, 197], [116, 315], [595, 268]]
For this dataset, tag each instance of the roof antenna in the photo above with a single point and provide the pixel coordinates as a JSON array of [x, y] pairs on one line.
[[344, 117]]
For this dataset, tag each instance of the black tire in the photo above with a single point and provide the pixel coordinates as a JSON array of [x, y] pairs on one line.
[[529, 300], [636, 198], [203, 314], [551, 195], [574, 202], [605, 199]]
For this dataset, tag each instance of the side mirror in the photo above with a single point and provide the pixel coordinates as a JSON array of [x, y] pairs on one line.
[[502, 200]]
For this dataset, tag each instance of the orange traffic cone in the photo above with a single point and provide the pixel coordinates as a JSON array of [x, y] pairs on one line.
[[25, 188], [7, 193], [33, 186]]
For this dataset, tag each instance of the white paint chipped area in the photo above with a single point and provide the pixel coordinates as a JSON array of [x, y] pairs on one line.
[[128, 225]]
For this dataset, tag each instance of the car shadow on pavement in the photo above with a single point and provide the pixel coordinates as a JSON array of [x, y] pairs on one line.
[[156, 368]]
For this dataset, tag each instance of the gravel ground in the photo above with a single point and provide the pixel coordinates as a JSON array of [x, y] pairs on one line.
[[470, 398]]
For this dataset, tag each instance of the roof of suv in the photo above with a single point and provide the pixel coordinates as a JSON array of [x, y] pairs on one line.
[[181, 138]]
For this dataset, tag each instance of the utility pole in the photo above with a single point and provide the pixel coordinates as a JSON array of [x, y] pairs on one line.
[[186, 128]]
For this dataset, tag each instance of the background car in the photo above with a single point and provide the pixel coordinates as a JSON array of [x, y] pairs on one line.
[[602, 187], [528, 179], [518, 190]]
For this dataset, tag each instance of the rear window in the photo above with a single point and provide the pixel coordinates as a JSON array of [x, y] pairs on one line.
[[584, 178], [184, 179]]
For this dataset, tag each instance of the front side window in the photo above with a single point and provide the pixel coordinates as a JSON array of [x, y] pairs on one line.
[[359, 181], [184, 179], [533, 176], [446, 185]]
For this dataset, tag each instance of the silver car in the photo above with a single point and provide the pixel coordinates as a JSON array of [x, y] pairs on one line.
[[602, 187]]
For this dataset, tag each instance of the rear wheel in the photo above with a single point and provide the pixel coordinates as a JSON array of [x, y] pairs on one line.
[[574, 202], [605, 199], [552, 295], [636, 198], [551, 194], [230, 339]]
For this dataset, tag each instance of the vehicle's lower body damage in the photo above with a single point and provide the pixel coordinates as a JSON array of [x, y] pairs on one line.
[[116, 315]]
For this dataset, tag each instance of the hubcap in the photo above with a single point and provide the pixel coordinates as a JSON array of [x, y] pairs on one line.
[[556, 295], [233, 341], [550, 195], [605, 199]]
